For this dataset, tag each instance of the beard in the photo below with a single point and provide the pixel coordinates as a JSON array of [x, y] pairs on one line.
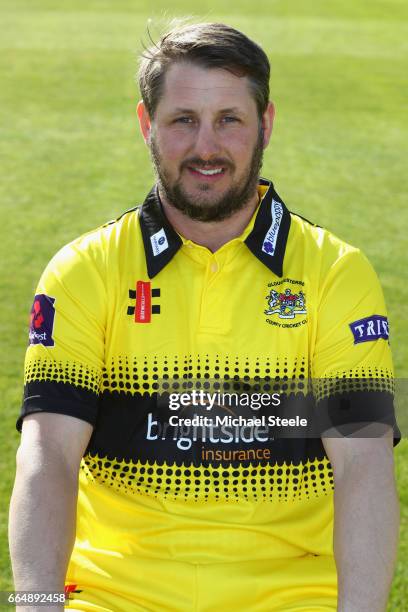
[[204, 208]]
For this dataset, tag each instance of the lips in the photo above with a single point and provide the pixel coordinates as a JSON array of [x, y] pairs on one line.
[[209, 172], [206, 176], [204, 170]]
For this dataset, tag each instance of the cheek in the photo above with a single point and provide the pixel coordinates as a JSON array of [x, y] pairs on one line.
[[241, 141], [241, 147], [175, 145]]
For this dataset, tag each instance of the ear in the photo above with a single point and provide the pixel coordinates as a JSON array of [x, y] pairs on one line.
[[267, 123], [144, 121]]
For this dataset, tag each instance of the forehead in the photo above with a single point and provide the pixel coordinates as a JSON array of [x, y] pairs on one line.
[[187, 85]]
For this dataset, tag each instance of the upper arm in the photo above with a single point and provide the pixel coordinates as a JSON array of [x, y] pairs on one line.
[[351, 365], [373, 450], [65, 357], [58, 435]]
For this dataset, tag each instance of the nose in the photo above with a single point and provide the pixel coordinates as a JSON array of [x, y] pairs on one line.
[[207, 143]]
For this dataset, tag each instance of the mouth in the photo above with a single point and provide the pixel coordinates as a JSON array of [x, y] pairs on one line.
[[207, 173]]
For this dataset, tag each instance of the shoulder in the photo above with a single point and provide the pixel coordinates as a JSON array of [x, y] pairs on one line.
[[326, 252], [320, 239], [95, 248], [105, 237]]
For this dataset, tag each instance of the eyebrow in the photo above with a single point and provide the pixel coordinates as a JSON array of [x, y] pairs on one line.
[[232, 109]]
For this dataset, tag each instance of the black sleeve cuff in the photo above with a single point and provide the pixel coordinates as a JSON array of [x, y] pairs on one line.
[[348, 412], [58, 398]]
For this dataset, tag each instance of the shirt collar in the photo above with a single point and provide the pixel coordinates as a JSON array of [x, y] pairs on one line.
[[267, 239]]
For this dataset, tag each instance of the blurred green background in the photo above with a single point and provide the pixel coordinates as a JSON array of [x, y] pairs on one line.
[[71, 156]]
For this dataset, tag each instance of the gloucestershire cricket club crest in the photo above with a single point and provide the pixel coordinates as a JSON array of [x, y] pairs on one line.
[[286, 304]]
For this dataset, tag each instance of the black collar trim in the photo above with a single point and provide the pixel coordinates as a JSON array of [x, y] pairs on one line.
[[267, 240], [161, 241]]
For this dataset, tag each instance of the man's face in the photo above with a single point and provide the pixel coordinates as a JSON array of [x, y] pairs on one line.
[[206, 141]]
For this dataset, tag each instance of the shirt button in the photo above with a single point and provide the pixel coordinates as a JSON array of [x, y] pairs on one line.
[[214, 266]]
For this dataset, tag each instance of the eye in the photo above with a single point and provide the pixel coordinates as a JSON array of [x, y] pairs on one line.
[[183, 120], [230, 119]]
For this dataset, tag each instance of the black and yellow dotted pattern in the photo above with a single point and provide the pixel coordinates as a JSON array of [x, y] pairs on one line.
[[173, 373], [358, 379], [271, 482], [66, 372]]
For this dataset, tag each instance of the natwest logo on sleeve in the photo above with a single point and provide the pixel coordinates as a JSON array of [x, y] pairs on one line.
[[370, 328], [42, 320]]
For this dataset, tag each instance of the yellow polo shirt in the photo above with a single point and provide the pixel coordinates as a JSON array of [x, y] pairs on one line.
[[209, 379]]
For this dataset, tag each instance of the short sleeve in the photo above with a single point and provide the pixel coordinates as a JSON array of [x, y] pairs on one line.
[[65, 355], [352, 366]]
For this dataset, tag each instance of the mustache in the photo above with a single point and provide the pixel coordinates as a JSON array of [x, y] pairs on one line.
[[216, 162]]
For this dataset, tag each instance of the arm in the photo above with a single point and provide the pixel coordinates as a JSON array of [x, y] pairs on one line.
[[43, 504], [366, 519]]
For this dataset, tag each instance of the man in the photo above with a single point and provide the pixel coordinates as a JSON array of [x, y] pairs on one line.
[[168, 347]]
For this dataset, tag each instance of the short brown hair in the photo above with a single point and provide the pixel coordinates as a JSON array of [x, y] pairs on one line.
[[209, 45]]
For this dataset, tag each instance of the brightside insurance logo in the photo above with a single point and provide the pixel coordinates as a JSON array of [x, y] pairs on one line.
[[218, 419]]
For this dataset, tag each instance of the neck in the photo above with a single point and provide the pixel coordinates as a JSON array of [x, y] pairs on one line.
[[210, 234]]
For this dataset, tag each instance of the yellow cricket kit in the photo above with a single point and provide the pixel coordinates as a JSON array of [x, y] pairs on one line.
[[209, 379]]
